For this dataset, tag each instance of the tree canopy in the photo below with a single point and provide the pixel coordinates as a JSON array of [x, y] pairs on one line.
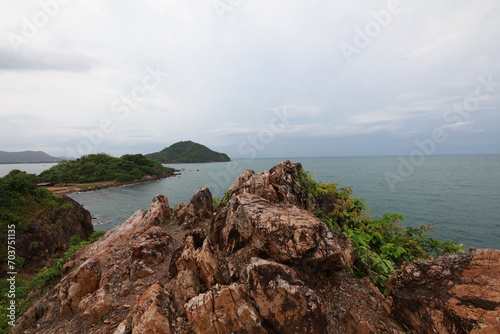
[[103, 167]]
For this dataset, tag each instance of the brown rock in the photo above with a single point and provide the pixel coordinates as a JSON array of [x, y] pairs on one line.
[[95, 306], [283, 300], [224, 310], [186, 285], [152, 247], [199, 207], [203, 203], [209, 266], [285, 233], [186, 216], [281, 184], [152, 313], [454, 293]]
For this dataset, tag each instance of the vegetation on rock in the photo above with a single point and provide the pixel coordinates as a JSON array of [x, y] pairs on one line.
[[103, 167], [381, 245], [20, 200], [188, 152]]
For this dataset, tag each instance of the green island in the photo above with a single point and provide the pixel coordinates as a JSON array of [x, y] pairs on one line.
[[104, 168], [188, 152]]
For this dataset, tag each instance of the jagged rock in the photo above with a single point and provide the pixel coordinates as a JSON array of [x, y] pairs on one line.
[[283, 232], [281, 184], [186, 216], [186, 285], [454, 293], [152, 247], [152, 313], [209, 266], [199, 207], [105, 263], [355, 306], [283, 300], [202, 203], [95, 306], [224, 310]]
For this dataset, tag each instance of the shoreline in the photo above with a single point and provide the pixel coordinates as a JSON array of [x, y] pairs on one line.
[[80, 187]]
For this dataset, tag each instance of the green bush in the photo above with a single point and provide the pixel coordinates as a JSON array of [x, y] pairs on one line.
[[380, 244], [20, 201]]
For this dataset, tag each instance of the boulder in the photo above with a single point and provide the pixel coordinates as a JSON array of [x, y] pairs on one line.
[[283, 300], [454, 293], [283, 232], [224, 309]]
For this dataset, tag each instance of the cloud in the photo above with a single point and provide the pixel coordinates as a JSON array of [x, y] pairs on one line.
[[457, 125], [227, 78]]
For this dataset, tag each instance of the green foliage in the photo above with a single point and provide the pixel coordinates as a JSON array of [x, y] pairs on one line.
[[221, 202], [20, 201], [380, 245], [187, 152], [103, 167]]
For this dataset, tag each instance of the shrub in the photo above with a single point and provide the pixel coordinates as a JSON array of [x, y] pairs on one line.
[[380, 244]]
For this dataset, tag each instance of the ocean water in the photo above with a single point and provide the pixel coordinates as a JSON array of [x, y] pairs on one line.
[[460, 193]]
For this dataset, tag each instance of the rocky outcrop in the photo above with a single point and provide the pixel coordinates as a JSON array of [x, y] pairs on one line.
[[262, 263], [200, 207], [455, 293], [47, 236]]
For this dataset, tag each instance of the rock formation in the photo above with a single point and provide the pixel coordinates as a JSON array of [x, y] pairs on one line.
[[454, 293], [47, 236], [262, 263]]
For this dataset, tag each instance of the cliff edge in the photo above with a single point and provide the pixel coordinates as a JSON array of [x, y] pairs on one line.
[[260, 262]]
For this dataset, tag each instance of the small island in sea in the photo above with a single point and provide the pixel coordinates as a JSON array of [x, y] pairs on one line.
[[187, 152], [99, 171]]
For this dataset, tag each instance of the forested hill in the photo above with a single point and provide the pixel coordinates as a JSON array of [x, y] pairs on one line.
[[188, 152], [26, 157]]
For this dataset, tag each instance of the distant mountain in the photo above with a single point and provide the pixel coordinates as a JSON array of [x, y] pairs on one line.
[[26, 157], [188, 152]]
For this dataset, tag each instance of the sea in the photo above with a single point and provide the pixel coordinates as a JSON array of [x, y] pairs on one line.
[[459, 193]]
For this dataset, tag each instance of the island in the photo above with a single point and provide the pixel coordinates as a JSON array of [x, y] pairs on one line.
[[187, 152], [99, 171]]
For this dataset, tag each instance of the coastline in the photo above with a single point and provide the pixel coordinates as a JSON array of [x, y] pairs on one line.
[[84, 187]]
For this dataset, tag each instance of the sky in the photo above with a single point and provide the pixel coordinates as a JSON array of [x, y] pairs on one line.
[[250, 78]]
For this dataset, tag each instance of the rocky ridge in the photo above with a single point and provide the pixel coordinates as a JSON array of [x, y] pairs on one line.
[[259, 263]]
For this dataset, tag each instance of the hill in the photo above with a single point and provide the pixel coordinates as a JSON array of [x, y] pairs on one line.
[[26, 157], [187, 152]]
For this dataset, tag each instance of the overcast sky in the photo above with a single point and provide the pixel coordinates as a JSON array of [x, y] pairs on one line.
[[251, 78]]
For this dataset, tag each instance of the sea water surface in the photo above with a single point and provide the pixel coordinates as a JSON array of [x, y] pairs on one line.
[[460, 193]]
